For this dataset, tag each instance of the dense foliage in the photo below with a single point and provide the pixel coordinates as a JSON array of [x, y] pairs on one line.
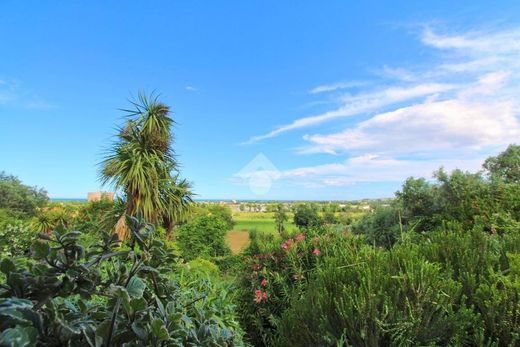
[[451, 288], [505, 166], [204, 236], [306, 216], [18, 198], [105, 295]]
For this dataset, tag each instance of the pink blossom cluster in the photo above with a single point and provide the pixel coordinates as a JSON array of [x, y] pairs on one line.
[[259, 296]]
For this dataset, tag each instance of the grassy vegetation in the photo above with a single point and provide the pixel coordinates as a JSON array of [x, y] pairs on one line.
[[261, 225]]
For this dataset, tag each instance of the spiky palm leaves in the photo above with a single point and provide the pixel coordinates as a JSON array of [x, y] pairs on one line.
[[141, 162], [177, 197]]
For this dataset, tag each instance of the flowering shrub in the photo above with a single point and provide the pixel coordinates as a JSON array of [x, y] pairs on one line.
[[275, 270]]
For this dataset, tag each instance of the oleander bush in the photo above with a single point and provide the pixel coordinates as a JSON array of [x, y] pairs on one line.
[[274, 270]]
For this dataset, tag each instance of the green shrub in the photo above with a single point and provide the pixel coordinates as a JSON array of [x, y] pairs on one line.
[[229, 264], [204, 236], [381, 228], [110, 295], [486, 267], [444, 288], [368, 297], [20, 198], [16, 238], [221, 211], [202, 268], [306, 216]]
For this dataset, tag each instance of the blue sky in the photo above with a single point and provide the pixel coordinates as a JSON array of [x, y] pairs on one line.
[[341, 100]]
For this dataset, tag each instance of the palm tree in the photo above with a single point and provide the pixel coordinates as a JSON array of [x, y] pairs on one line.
[[177, 198], [140, 163]]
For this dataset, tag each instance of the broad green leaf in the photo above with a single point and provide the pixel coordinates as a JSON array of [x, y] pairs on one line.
[[40, 249], [140, 330], [19, 337], [136, 287], [102, 331], [139, 304], [159, 330]]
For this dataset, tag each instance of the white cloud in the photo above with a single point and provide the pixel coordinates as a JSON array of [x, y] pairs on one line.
[[426, 127], [371, 169], [465, 58], [191, 89], [336, 86], [482, 110], [361, 103]]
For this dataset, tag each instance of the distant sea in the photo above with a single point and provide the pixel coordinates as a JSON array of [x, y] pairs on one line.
[[227, 200], [67, 199]]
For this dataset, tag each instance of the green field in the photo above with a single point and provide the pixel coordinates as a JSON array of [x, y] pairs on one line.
[[263, 222]]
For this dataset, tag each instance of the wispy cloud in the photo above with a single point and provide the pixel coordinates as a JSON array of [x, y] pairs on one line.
[[13, 93], [336, 86], [465, 58], [372, 169], [361, 103], [471, 120], [191, 89]]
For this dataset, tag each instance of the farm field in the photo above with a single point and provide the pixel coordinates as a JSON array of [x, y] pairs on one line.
[[263, 222]]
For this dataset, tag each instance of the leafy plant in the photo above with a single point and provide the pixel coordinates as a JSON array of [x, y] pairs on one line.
[[20, 198], [204, 236], [104, 295], [16, 239], [306, 216]]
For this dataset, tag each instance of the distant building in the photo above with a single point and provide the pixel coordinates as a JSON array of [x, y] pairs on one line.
[[96, 196]]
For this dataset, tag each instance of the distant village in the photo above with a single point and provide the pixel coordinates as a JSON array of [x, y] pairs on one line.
[[365, 205]]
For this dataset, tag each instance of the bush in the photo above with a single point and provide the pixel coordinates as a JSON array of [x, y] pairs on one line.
[[110, 295], [306, 216], [221, 211], [447, 288], [229, 264], [202, 268], [274, 270], [16, 239], [365, 297], [381, 228], [20, 198], [204, 236]]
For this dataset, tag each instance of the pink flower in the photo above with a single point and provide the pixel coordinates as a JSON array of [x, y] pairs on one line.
[[287, 244], [258, 295], [300, 237], [265, 296], [264, 282], [316, 251]]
